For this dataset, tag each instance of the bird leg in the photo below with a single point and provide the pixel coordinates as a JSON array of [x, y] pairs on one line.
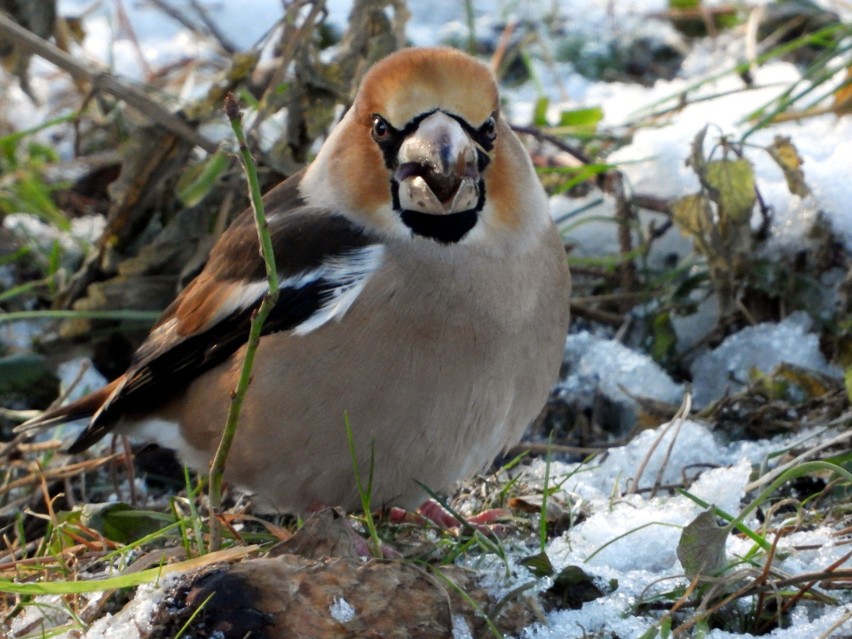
[[434, 512]]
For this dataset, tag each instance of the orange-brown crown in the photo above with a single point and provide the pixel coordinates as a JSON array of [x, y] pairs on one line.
[[415, 81]]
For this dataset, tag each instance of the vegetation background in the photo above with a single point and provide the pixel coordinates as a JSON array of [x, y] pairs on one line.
[[126, 184]]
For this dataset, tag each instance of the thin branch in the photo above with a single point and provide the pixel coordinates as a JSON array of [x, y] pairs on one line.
[[103, 81], [217, 466], [227, 45]]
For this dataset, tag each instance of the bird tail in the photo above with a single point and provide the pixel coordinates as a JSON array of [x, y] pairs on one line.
[[84, 407]]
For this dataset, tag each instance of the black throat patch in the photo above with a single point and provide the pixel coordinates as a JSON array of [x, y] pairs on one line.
[[445, 229]]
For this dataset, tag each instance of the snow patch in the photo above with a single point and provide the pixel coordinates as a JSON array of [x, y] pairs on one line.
[[605, 366], [632, 540], [763, 347], [341, 610], [460, 628], [84, 231], [134, 620]]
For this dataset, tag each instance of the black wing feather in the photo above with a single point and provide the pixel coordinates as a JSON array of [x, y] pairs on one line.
[[304, 238], [157, 379]]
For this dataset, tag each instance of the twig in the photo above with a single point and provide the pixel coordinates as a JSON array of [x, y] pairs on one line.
[[836, 626], [178, 16], [651, 203], [211, 26], [596, 314], [680, 418], [502, 44], [539, 448], [624, 215], [127, 27], [55, 474], [100, 80], [620, 296], [217, 466], [806, 589], [562, 145], [676, 422], [293, 37]]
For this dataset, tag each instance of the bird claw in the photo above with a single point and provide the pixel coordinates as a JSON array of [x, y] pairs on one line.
[[433, 512]]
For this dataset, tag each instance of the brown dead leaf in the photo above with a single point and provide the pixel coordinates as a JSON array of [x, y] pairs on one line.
[[843, 95], [324, 534], [787, 157], [693, 215]]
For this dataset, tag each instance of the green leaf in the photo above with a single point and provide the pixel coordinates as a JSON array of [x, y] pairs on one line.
[[572, 588], [40, 154], [30, 194], [9, 143], [684, 4], [540, 112], [539, 564], [701, 549], [588, 117], [126, 580], [120, 522], [788, 381], [733, 183], [80, 586], [247, 97], [664, 338], [578, 174], [665, 627]]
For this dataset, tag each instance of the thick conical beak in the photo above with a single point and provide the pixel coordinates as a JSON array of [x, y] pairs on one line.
[[438, 168]]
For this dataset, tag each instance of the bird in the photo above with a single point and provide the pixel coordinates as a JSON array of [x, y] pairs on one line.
[[423, 301]]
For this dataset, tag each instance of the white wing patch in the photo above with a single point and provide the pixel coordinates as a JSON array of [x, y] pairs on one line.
[[245, 296], [347, 273]]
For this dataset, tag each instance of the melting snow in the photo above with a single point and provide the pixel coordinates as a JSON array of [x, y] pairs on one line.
[[341, 610], [762, 347], [653, 163], [606, 366], [632, 538]]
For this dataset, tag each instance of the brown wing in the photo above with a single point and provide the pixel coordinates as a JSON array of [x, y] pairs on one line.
[[318, 255]]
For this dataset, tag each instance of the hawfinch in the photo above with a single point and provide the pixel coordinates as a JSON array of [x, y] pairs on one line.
[[423, 293]]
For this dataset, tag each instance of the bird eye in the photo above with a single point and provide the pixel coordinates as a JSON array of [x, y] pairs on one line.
[[381, 129], [489, 129]]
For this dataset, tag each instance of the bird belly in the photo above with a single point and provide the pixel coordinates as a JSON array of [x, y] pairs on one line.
[[427, 402]]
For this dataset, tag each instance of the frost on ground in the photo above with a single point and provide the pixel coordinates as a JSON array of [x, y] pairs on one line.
[[631, 539], [605, 366], [626, 535], [761, 347], [133, 621], [342, 611]]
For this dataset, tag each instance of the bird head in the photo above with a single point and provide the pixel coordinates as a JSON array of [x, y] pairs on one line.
[[424, 152]]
